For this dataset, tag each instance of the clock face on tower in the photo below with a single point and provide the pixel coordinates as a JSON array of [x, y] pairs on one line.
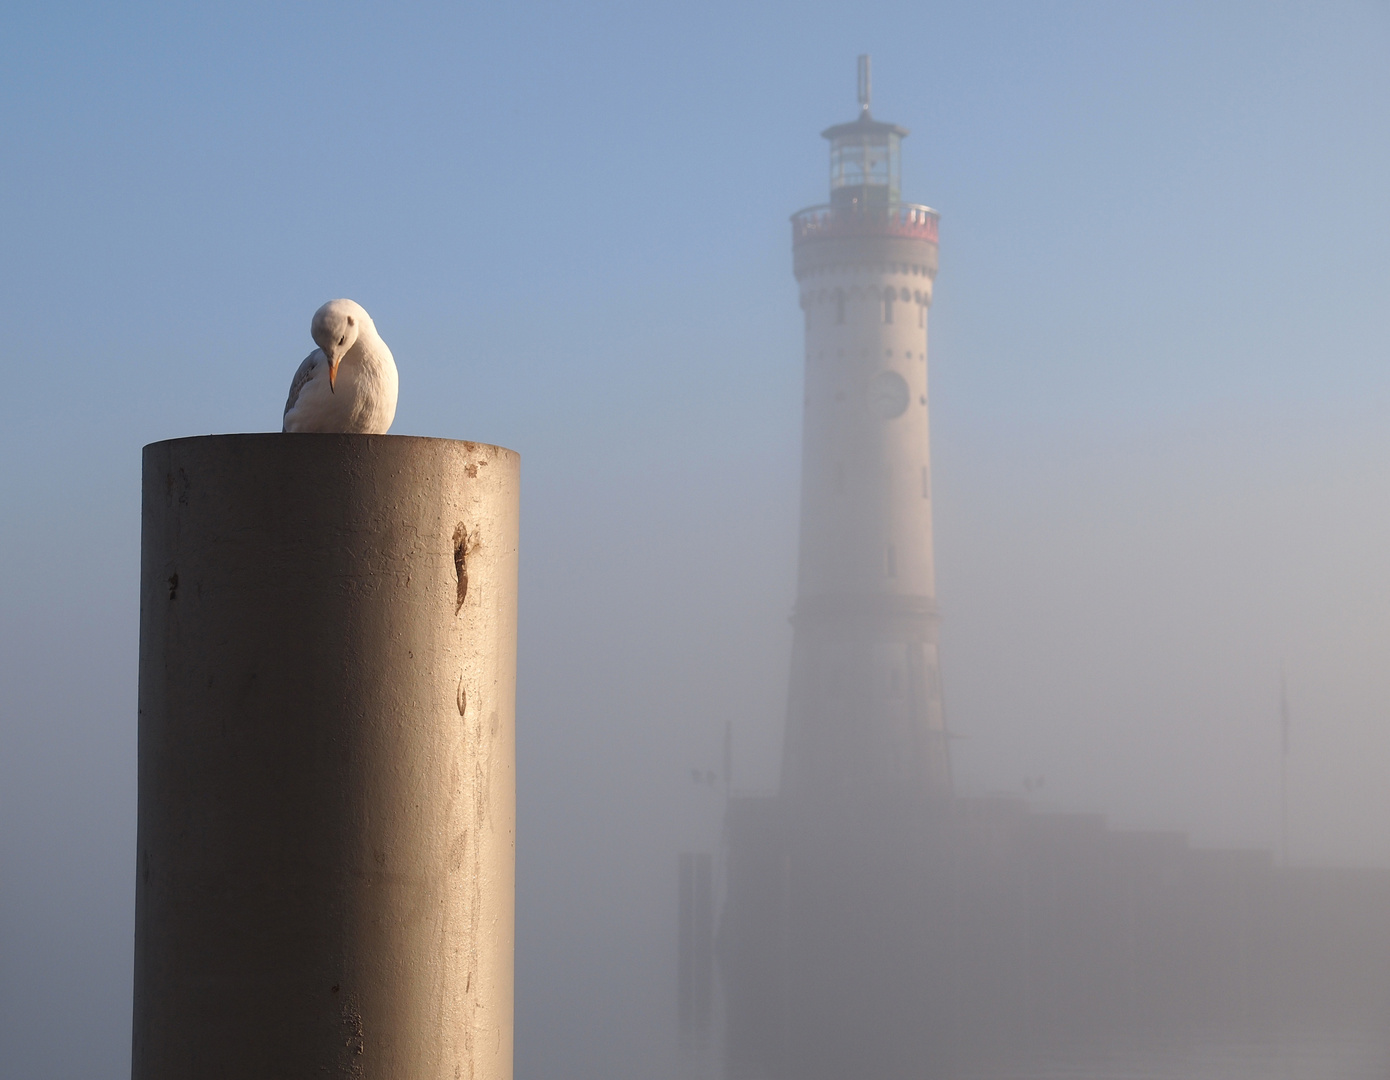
[[888, 395]]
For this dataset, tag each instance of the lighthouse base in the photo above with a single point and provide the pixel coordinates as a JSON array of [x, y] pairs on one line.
[[883, 941]]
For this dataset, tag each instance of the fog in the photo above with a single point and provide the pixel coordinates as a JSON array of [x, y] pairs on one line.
[[1158, 375]]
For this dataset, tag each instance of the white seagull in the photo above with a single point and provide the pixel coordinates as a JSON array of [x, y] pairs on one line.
[[347, 384]]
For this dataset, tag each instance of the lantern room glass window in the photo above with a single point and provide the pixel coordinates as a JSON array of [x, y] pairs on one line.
[[865, 167]]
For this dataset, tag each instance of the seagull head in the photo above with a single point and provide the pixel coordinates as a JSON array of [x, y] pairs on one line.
[[335, 329]]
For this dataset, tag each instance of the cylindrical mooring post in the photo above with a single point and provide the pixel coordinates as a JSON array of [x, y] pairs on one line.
[[327, 759]]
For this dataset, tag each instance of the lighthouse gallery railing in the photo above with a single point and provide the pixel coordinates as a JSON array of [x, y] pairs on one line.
[[899, 219]]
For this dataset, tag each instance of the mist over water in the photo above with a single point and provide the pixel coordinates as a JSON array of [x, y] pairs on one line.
[[1288, 1058], [1158, 389]]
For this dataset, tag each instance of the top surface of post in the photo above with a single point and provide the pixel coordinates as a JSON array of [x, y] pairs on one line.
[[289, 437]]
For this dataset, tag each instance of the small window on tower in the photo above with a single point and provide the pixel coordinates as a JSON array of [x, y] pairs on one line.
[[892, 561], [839, 305], [888, 306]]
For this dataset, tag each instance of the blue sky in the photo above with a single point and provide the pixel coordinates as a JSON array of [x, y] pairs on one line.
[[1159, 374]]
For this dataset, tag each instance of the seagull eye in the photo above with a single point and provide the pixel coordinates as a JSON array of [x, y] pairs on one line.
[[342, 339]]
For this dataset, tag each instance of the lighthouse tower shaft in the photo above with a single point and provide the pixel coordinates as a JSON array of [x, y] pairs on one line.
[[864, 711]]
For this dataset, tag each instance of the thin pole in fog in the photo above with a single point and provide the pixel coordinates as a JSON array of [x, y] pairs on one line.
[[1283, 769], [728, 760]]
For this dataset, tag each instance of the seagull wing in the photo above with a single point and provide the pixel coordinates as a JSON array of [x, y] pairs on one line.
[[302, 377]]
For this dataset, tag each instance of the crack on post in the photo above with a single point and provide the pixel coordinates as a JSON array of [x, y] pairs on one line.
[[461, 564]]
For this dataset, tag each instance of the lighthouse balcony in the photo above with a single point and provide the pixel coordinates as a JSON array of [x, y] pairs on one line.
[[907, 220]]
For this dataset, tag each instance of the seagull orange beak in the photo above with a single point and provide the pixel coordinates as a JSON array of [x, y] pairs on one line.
[[332, 375]]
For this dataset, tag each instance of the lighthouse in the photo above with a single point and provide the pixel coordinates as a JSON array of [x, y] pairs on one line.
[[875, 925], [864, 712]]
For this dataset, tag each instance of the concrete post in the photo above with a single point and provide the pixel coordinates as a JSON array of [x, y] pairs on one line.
[[326, 841]]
